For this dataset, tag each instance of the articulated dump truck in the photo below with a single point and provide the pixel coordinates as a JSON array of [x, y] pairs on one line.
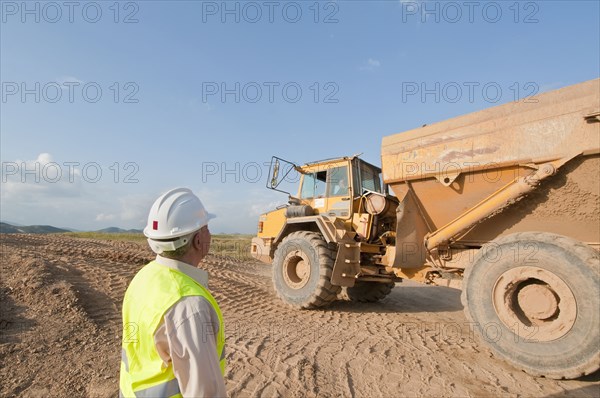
[[503, 203]]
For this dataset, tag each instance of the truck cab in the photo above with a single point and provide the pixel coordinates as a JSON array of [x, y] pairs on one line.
[[335, 189]]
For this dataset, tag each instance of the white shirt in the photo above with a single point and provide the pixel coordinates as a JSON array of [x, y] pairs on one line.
[[187, 338]]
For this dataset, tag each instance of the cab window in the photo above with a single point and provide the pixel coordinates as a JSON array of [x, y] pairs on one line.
[[370, 179], [338, 181], [365, 177], [313, 185]]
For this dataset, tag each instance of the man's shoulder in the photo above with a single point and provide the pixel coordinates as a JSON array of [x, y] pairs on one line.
[[156, 276], [193, 302], [191, 307]]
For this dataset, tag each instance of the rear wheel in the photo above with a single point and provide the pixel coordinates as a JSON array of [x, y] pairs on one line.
[[302, 270], [367, 292], [534, 299]]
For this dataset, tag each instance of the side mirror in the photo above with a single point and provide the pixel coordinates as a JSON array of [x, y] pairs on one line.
[[274, 182], [277, 165]]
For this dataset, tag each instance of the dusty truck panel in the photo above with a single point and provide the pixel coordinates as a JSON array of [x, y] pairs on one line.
[[503, 203], [506, 201], [546, 127], [452, 166], [567, 204]]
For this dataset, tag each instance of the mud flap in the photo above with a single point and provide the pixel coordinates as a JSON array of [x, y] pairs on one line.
[[411, 229], [347, 264]]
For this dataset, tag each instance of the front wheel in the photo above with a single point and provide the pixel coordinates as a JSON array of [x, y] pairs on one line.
[[302, 268], [533, 298]]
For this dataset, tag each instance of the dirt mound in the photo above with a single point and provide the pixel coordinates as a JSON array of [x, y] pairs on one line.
[[60, 332], [60, 314]]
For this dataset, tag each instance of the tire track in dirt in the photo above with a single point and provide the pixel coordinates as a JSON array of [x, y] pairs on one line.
[[94, 269], [380, 349], [414, 342], [98, 282]]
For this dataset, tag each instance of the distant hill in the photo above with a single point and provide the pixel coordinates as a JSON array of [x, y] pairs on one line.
[[14, 224], [7, 228], [116, 230], [30, 229]]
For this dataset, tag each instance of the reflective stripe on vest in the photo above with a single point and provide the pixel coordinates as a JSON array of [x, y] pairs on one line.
[[167, 389], [151, 293], [124, 359]]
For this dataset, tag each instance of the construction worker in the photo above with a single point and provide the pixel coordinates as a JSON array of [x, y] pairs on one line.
[[173, 336]]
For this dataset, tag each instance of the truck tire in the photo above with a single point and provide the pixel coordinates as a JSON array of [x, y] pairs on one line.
[[302, 268], [533, 297], [367, 292]]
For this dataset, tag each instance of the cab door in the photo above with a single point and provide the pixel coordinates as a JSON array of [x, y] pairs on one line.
[[339, 192], [313, 190], [327, 191]]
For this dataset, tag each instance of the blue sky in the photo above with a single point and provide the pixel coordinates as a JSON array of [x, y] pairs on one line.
[[334, 78]]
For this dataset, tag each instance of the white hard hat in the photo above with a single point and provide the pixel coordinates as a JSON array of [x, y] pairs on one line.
[[173, 219]]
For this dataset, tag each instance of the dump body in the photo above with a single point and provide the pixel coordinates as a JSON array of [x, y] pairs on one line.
[[459, 178]]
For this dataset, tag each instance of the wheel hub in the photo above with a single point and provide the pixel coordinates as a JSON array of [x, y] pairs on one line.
[[296, 269], [534, 303], [537, 301]]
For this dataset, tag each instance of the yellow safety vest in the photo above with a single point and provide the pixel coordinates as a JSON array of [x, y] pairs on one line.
[[151, 293]]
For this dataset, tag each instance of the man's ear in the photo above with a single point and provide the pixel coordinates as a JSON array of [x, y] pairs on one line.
[[197, 241]]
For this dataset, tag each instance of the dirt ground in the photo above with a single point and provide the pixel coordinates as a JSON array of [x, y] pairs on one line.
[[60, 332]]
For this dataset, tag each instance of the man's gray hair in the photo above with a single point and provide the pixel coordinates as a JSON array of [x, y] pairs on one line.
[[178, 253]]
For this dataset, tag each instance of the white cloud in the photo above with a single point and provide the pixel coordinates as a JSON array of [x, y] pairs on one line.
[[56, 192], [31, 181], [374, 62], [44, 158], [72, 201], [371, 64]]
